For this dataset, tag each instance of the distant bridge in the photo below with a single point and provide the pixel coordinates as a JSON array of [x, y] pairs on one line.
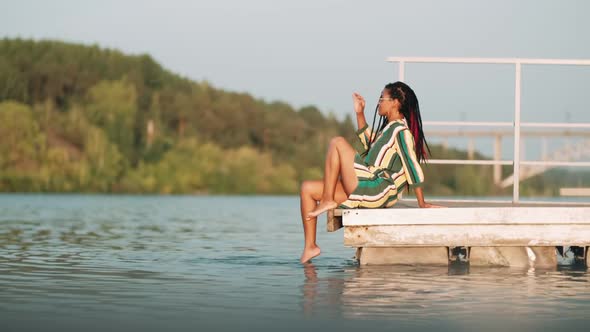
[[563, 156]]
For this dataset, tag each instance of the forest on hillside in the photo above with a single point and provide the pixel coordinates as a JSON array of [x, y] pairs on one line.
[[78, 118]]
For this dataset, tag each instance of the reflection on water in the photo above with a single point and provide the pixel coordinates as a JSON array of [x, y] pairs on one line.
[[406, 293], [199, 263]]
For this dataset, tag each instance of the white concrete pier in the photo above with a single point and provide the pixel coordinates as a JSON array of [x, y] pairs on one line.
[[501, 234]]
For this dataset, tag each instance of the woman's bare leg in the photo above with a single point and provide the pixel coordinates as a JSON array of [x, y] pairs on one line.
[[339, 164], [311, 193]]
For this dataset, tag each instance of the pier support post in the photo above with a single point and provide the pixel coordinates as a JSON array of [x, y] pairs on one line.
[[499, 256], [545, 257], [498, 157], [539, 257], [334, 221], [403, 256]]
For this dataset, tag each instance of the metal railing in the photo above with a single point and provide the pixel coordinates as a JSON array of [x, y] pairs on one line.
[[516, 124]]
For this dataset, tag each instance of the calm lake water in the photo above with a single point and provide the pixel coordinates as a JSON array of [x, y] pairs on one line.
[[167, 263]]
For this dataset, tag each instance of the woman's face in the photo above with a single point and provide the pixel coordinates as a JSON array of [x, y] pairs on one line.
[[387, 105]]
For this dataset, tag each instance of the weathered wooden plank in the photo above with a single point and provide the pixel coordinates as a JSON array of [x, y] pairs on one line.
[[486, 235], [468, 216], [334, 222]]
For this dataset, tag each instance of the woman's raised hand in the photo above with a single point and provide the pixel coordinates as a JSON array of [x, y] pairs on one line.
[[359, 103]]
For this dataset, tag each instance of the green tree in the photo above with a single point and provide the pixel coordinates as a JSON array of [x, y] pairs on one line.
[[112, 105], [22, 140]]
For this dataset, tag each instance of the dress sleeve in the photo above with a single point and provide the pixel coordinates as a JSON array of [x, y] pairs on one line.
[[407, 153], [363, 135]]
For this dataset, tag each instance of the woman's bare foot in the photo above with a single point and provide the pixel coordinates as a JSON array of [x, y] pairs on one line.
[[321, 208], [309, 253]]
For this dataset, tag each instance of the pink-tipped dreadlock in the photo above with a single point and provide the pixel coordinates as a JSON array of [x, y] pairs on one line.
[[416, 132]]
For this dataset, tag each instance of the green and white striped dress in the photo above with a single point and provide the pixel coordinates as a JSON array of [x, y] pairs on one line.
[[388, 167]]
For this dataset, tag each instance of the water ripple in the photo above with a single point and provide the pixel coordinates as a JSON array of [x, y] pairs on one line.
[[204, 259]]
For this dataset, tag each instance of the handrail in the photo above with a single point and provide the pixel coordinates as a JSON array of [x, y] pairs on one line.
[[507, 162], [505, 124], [468, 162], [516, 124], [508, 61], [491, 133], [467, 123]]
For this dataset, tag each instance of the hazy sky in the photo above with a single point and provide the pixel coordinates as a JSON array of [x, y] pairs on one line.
[[318, 52]]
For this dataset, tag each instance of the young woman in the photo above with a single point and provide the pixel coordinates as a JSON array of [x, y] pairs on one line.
[[372, 173]]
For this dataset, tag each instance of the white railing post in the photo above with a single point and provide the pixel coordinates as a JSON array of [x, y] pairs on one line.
[[402, 69], [516, 160], [497, 157]]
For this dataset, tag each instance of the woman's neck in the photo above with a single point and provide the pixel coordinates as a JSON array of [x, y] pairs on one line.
[[395, 118]]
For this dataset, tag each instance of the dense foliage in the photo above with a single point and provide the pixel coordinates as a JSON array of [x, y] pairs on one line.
[[77, 118], [80, 118]]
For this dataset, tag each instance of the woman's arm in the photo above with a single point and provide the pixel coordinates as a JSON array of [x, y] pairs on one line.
[[420, 197], [412, 168], [359, 109], [407, 153], [363, 132]]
